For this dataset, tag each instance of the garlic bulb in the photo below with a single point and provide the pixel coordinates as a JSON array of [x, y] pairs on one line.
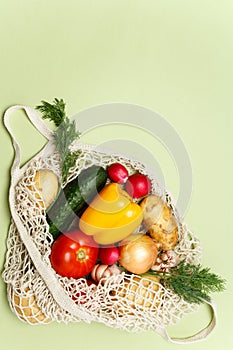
[[101, 271], [165, 261]]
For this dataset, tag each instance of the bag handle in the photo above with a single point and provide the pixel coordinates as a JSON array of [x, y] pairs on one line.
[[35, 119], [46, 272], [201, 335]]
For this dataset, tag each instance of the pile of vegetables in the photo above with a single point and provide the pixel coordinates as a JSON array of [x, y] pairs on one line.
[[107, 221]]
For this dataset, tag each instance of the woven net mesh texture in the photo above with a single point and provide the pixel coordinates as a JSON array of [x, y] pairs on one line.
[[124, 301]]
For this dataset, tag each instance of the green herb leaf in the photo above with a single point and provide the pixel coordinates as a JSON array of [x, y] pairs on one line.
[[64, 135], [54, 112], [192, 282]]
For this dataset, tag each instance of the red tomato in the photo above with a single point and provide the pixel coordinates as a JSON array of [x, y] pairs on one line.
[[74, 254]]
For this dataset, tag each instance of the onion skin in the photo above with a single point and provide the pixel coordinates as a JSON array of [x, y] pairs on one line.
[[138, 253]]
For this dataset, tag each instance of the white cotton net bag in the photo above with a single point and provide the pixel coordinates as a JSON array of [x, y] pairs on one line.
[[38, 295]]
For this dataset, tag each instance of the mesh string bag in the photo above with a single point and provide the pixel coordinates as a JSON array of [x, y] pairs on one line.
[[38, 295]]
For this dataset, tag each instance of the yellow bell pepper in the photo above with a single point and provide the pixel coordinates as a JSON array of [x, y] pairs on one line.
[[111, 216]]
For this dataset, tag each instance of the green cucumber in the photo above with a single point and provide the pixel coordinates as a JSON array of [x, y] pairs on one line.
[[74, 198]]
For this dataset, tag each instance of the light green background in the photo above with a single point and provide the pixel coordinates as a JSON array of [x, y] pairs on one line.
[[174, 57]]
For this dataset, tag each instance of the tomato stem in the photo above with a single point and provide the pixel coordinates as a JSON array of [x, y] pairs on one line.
[[81, 255]]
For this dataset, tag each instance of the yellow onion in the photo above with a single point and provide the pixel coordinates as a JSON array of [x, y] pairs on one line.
[[138, 253]]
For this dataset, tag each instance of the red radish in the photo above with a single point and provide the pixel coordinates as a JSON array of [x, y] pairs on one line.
[[138, 185], [117, 173], [109, 255]]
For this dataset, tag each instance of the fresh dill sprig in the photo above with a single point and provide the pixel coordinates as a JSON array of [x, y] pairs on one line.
[[192, 282], [54, 112], [64, 135]]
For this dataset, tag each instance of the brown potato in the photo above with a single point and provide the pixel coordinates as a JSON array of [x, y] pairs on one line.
[[159, 222], [24, 304], [46, 182], [137, 293]]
